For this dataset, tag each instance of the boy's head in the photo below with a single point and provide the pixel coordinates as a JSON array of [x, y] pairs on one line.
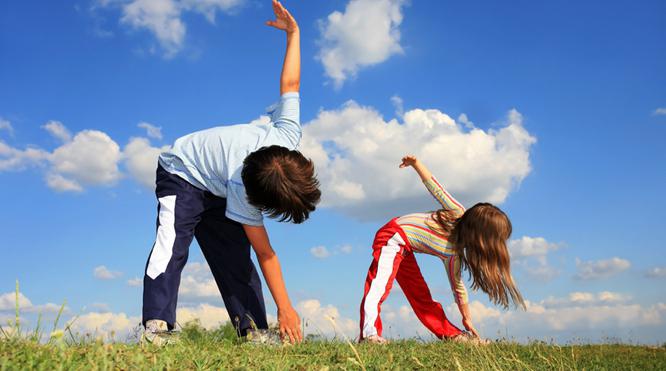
[[281, 183]]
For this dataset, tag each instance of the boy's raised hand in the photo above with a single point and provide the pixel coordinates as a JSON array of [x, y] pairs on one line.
[[283, 19], [409, 160]]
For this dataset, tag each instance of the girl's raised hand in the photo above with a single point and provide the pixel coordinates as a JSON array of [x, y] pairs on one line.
[[408, 160], [283, 19]]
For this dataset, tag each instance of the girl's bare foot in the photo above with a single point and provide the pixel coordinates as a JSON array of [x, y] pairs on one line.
[[466, 337], [375, 339]]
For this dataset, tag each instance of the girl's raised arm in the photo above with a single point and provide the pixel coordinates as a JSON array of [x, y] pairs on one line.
[[434, 187]]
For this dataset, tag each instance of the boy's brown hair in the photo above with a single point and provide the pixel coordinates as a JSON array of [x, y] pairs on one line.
[[281, 183]]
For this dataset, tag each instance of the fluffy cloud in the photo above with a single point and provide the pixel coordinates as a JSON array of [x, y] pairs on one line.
[[13, 159], [365, 34], [141, 160], [164, 18], [106, 325], [103, 273], [591, 270], [579, 313], [325, 319], [152, 131], [197, 282], [320, 252], [357, 154], [58, 130], [8, 303], [209, 316], [659, 111], [531, 253], [6, 125], [135, 282], [656, 272], [91, 158]]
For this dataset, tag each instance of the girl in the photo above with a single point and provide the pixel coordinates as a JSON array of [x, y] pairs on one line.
[[474, 239]]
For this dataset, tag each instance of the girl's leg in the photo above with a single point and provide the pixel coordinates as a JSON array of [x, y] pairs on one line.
[[388, 249], [428, 311]]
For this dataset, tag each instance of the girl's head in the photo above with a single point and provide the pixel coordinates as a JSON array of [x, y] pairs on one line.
[[479, 238]]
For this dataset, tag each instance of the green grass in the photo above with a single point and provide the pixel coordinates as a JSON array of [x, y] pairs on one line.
[[199, 349], [203, 350]]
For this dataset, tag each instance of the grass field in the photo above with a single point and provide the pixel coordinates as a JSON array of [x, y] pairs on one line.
[[199, 349]]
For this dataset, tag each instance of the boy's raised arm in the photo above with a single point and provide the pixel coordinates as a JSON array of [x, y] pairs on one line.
[[290, 80]]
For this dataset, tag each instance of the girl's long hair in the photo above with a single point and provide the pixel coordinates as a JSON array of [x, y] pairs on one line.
[[479, 239]]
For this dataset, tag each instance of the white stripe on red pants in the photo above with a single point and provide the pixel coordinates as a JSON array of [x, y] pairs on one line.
[[393, 258]]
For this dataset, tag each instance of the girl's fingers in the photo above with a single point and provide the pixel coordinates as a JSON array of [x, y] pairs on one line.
[[292, 339]]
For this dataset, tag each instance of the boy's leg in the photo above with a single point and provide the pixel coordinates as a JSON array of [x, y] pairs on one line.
[[388, 248], [428, 311], [179, 210], [227, 251]]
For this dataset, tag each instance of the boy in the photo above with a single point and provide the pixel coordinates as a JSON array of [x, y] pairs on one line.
[[214, 185]]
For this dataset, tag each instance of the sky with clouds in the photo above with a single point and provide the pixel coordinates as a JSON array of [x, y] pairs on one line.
[[554, 111]]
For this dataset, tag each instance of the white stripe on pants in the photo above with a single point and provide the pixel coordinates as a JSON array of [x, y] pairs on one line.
[[378, 285]]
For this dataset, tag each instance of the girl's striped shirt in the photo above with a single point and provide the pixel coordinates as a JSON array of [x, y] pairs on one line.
[[424, 237]]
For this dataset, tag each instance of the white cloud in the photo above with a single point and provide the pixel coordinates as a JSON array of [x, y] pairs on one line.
[[135, 282], [659, 111], [197, 282], [12, 159], [346, 249], [6, 125], [399, 106], [590, 270], [101, 307], [141, 160], [320, 252], [357, 154], [103, 273], [531, 247], [164, 18], [325, 319], [58, 130], [656, 272], [8, 303], [530, 253], [91, 158], [365, 34], [61, 184], [209, 316], [105, 325], [152, 131]]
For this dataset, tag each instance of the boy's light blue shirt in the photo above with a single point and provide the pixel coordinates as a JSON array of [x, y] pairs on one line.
[[212, 159]]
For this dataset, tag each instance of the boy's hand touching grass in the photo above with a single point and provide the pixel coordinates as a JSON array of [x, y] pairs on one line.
[[290, 325]]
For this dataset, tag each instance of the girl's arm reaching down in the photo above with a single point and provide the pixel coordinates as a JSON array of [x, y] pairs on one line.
[[441, 195], [288, 320], [454, 273]]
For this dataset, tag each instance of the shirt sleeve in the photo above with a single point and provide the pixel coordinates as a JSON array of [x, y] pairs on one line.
[[443, 197], [454, 274], [238, 208], [286, 117]]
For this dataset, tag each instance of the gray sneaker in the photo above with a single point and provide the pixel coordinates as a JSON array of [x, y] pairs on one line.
[[157, 333], [264, 337]]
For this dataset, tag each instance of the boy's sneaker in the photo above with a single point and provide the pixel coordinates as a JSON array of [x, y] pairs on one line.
[[263, 337], [157, 333]]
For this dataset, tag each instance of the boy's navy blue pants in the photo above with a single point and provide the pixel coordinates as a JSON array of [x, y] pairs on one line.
[[186, 212]]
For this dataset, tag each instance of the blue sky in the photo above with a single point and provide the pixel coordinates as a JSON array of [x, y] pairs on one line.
[[564, 117]]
